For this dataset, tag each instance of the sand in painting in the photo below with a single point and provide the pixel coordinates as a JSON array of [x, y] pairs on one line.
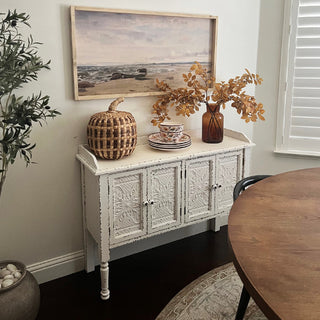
[[121, 86]]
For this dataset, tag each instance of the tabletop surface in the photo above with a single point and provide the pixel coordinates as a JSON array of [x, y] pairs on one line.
[[274, 232], [145, 155]]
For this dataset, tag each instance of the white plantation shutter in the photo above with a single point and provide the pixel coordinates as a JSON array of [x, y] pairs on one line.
[[298, 128]]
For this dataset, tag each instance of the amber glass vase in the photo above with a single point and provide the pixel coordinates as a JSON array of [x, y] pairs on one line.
[[212, 124]]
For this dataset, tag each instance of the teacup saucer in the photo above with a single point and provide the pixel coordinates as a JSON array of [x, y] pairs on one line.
[[156, 138], [168, 149]]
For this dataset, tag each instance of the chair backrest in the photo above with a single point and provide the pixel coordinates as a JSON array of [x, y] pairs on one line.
[[246, 182]]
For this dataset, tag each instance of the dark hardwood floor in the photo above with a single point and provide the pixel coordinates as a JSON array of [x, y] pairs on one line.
[[141, 284]]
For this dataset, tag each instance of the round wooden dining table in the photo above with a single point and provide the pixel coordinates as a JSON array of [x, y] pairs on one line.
[[274, 232]]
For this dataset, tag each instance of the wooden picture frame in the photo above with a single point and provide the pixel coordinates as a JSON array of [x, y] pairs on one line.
[[122, 52]]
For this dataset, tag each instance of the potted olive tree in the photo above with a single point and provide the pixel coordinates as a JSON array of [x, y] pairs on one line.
[[19, 64]]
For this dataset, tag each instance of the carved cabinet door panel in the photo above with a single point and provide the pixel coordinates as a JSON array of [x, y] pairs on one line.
[[127, 211], [200, 178], [228, 173], [164, 196]]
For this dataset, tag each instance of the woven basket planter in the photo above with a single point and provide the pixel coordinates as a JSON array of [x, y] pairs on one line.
[[112, 134]]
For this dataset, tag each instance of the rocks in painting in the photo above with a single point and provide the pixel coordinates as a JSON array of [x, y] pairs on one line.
[[142, 72], [140, 75], [85, 84], [89, 76], [117, 75], [9, 275]]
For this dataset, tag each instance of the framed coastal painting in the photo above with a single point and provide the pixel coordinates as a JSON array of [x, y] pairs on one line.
[[122, 53]]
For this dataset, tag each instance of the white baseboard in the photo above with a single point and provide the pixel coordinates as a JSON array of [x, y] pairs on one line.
[[67, 264], [58, 267]]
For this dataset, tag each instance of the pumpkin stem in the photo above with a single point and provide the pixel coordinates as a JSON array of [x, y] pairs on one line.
[[114, 104]]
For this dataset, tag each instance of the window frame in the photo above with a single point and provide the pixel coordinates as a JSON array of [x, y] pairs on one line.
[[284, 110]]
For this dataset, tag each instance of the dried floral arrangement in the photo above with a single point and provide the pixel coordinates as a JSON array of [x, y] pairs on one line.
[[203, 88]]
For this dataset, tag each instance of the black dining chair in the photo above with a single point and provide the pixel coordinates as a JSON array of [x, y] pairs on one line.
[[240, 187]]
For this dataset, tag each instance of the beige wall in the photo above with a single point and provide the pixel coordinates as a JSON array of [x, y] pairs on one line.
[[41, 205], [264, 160]]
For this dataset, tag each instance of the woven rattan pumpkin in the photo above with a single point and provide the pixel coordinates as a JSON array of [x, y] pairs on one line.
[[112, 134]]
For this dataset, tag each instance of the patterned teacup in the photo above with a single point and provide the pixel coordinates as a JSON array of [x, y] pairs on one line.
[[171, 131]]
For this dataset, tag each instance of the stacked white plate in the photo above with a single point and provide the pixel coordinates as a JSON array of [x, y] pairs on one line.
[[156, 142]]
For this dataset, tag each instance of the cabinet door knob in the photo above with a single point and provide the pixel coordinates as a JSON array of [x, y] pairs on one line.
[[151, 202], [214, 186], [145, 203], [219, 186]]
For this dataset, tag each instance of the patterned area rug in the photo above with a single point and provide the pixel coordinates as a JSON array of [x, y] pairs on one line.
[[213, 296]]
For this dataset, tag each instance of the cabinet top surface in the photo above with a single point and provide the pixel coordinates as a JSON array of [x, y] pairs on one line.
[[144, 155]]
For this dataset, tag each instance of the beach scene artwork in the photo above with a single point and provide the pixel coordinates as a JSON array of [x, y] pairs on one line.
[[122, 54]]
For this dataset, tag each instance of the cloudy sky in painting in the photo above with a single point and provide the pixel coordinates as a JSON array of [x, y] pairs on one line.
[[104, 38]]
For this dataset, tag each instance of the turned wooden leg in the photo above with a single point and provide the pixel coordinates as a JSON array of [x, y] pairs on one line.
[[104, 272], [243, 303]]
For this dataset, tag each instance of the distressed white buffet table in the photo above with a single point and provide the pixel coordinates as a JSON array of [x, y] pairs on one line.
[[152, 192]]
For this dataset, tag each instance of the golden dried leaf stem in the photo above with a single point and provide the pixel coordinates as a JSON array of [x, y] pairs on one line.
[[203, 88]]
